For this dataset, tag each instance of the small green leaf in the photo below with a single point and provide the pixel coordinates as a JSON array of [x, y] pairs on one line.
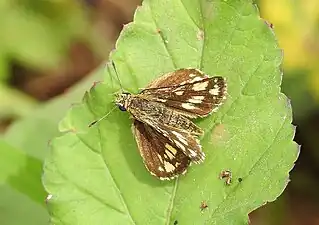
[[96, 175]]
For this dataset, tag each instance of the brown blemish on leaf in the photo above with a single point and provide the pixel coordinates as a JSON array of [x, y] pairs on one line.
[[219, 134], [203, 205], [200, 35], [226, 174]]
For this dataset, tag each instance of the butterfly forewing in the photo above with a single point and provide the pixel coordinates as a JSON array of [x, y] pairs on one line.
[[161, 157], [176, 78], [196, 95]]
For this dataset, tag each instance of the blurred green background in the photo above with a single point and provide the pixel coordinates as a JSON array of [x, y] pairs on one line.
[[52, 51]]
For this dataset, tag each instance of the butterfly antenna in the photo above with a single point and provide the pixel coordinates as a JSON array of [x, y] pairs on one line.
[[117, 75], [102, 118]]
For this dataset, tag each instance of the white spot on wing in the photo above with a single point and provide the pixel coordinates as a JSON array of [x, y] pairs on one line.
[[196, 79], [199, 97], [184, 82], [177, 134], [200, 86], [169, 147], [188, 106], [195, 101], [161, 100], [179, 145], [184, 141], [214, 91], [179, 92], [168, 167], [160, 158], [193, 153], [170, 155]]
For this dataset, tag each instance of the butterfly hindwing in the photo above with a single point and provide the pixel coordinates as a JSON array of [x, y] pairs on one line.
[[161, 157], [184, 141]]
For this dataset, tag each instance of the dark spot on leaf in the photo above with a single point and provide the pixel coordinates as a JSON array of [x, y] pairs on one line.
[[203, 205]]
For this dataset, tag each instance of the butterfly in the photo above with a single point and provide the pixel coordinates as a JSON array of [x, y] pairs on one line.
[[167, 139]]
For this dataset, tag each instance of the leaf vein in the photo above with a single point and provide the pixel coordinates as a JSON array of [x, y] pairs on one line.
[[112, 177], [116, 184], [229, 39], [86, 192], [163, 40], [200, 29], [170, 207]]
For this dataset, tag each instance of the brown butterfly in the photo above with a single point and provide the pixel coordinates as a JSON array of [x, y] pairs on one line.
[[166, 137]]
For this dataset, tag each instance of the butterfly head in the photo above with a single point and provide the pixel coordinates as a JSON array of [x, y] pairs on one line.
[[121, 100]]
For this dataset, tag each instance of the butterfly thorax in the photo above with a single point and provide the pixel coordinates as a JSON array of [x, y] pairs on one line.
[[152, 113]]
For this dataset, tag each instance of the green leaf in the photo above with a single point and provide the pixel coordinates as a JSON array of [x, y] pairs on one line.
[[96, 175]]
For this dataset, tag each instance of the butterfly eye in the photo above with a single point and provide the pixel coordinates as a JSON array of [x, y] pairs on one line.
[[122, 108]]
